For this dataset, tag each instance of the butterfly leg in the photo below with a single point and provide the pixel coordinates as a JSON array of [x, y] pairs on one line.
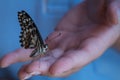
[[33, 53]]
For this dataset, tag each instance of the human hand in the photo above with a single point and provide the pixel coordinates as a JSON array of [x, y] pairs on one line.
[[78, 39]]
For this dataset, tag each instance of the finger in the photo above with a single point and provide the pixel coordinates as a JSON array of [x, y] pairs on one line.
[[42, 65], [69, 63], [22, 71], [63, 40], [55, 38], [66, 73], [20, 55], [23, 75], [53, 35], [76, 59]]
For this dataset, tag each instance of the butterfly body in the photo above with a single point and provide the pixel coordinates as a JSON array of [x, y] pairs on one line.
[[30, 37]]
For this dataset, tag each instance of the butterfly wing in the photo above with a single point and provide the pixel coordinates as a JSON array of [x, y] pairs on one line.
[[30, 36]]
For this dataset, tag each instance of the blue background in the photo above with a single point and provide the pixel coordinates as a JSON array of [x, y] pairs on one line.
[[46, 15]]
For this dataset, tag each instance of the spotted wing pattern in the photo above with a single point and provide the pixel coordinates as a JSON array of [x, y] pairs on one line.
[[30, 37]]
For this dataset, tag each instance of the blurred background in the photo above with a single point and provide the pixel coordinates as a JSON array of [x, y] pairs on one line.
[[46, 14]]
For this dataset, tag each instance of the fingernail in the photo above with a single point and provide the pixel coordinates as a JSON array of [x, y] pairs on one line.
[[31, 74], [3, 66], [27, 77], [35, 73]]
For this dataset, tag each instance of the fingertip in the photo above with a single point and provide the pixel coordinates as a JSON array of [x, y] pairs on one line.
[[33, 67], [22, 74], [38, 67], [61, 66], [54, 39], [2, 65], [19, 55], [5, 61]]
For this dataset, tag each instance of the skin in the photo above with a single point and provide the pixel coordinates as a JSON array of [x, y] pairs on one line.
[[82, 36]]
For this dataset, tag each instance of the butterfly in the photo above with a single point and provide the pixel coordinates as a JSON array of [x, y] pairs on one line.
[[30, 37]]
